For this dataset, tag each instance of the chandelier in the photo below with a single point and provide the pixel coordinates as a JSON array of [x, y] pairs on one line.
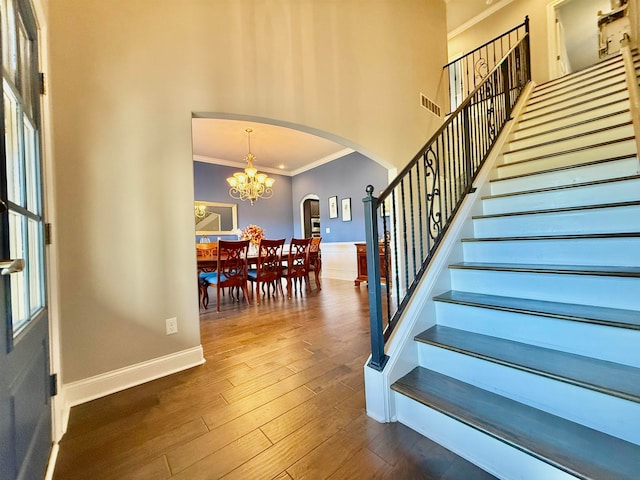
[[200, 210], [250, 184]]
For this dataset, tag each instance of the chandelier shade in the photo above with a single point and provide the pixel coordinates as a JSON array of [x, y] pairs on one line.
[[250, 184]]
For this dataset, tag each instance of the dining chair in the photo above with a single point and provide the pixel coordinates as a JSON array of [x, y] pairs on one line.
[[297, 269], [315, 260], [206, 250], [230, 271], [268, 268]]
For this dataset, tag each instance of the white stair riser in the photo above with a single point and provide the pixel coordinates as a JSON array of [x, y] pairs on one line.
[[552, 124], [490, 454], [571, 80], [598, 290], [579, 174], [612, 344], [571, 100], [612, 415], [621, 191], [610, 251], [578, 85], [569, 158], [558, 134], [538, 118], [594, 220], [616, 133]]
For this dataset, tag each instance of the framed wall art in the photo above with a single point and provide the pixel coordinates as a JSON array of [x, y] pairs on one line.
[[333, 207], [346, 209]]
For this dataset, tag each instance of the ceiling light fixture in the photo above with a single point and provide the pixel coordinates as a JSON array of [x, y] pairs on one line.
[[200, 210], [250, 184]]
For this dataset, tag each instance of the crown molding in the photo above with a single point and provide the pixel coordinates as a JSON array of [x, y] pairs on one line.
[[478, 18], [276, 171]]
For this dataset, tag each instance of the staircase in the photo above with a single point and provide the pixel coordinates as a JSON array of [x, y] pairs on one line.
[[532, 369]]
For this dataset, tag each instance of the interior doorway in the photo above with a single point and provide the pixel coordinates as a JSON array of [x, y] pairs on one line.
[[574, 34], [310, 216]]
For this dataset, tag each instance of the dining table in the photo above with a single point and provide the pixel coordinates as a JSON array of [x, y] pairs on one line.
[[209, 263]]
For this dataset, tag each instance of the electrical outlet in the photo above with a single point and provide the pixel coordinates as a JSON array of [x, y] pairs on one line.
[[327, 230], [172, 325]]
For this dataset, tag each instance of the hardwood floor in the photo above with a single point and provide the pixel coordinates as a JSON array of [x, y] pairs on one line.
[[281, 396]]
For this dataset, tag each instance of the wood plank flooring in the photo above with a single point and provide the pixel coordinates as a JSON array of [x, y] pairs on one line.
[[281, 396]]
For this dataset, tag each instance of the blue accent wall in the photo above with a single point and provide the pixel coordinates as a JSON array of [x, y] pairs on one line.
[[275, 215], [346, 177]]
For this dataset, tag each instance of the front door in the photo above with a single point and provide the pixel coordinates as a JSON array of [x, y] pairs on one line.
[[25, 386]]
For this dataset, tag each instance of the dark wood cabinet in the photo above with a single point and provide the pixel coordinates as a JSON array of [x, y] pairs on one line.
[[361, 259]]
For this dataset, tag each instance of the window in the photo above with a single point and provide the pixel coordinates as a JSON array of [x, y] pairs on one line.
[[22, 162]]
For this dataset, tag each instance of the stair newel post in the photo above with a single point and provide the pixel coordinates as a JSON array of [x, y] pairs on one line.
[[378, 358]]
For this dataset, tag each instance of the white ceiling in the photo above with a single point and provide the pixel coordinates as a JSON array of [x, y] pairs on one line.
[[459, 12], [277, 149]]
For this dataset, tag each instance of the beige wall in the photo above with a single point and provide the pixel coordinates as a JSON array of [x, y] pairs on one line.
[[126, 76], [634, 16], [504, 20]]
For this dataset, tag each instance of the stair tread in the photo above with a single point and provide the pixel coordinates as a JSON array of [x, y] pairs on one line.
[[568, 126], [561, 209], [520, 128], [585, 236], [602, 376], [615, 317], [559, 98], [579, 450], [553, 101], [570, 150], [566, 138], [536, 115], [606, 63], [565, 167], [564, 187], [618, 271]]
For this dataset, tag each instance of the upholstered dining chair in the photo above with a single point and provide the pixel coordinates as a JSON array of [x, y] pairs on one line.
[[230, 271], [268, 270], [315, 260], [297, 269]]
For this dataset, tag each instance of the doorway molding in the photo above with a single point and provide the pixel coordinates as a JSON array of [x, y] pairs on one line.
[[552, 38]]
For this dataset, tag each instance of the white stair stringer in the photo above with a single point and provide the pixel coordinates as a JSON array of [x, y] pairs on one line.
[[537, 339]]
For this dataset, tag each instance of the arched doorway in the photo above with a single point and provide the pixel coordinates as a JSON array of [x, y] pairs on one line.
[[310, 216]]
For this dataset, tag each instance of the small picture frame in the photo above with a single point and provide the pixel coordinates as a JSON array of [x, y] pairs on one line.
[[333, 207], [346, 209]]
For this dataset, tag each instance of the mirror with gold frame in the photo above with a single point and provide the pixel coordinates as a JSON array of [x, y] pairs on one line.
[[215, 218]]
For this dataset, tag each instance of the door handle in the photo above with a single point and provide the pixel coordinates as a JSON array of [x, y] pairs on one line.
[[11, 266], [3, 207]]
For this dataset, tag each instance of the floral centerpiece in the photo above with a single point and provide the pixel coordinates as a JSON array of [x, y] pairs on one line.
[[253, 233]]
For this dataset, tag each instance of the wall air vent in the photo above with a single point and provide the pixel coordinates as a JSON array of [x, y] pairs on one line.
[[429, 105]]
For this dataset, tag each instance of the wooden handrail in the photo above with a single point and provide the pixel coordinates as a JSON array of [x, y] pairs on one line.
[[632, 85]]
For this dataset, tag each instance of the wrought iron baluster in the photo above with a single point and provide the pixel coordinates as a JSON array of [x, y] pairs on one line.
[[439, 177]]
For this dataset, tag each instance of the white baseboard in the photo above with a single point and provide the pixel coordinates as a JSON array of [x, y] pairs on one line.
[[104, 384]]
